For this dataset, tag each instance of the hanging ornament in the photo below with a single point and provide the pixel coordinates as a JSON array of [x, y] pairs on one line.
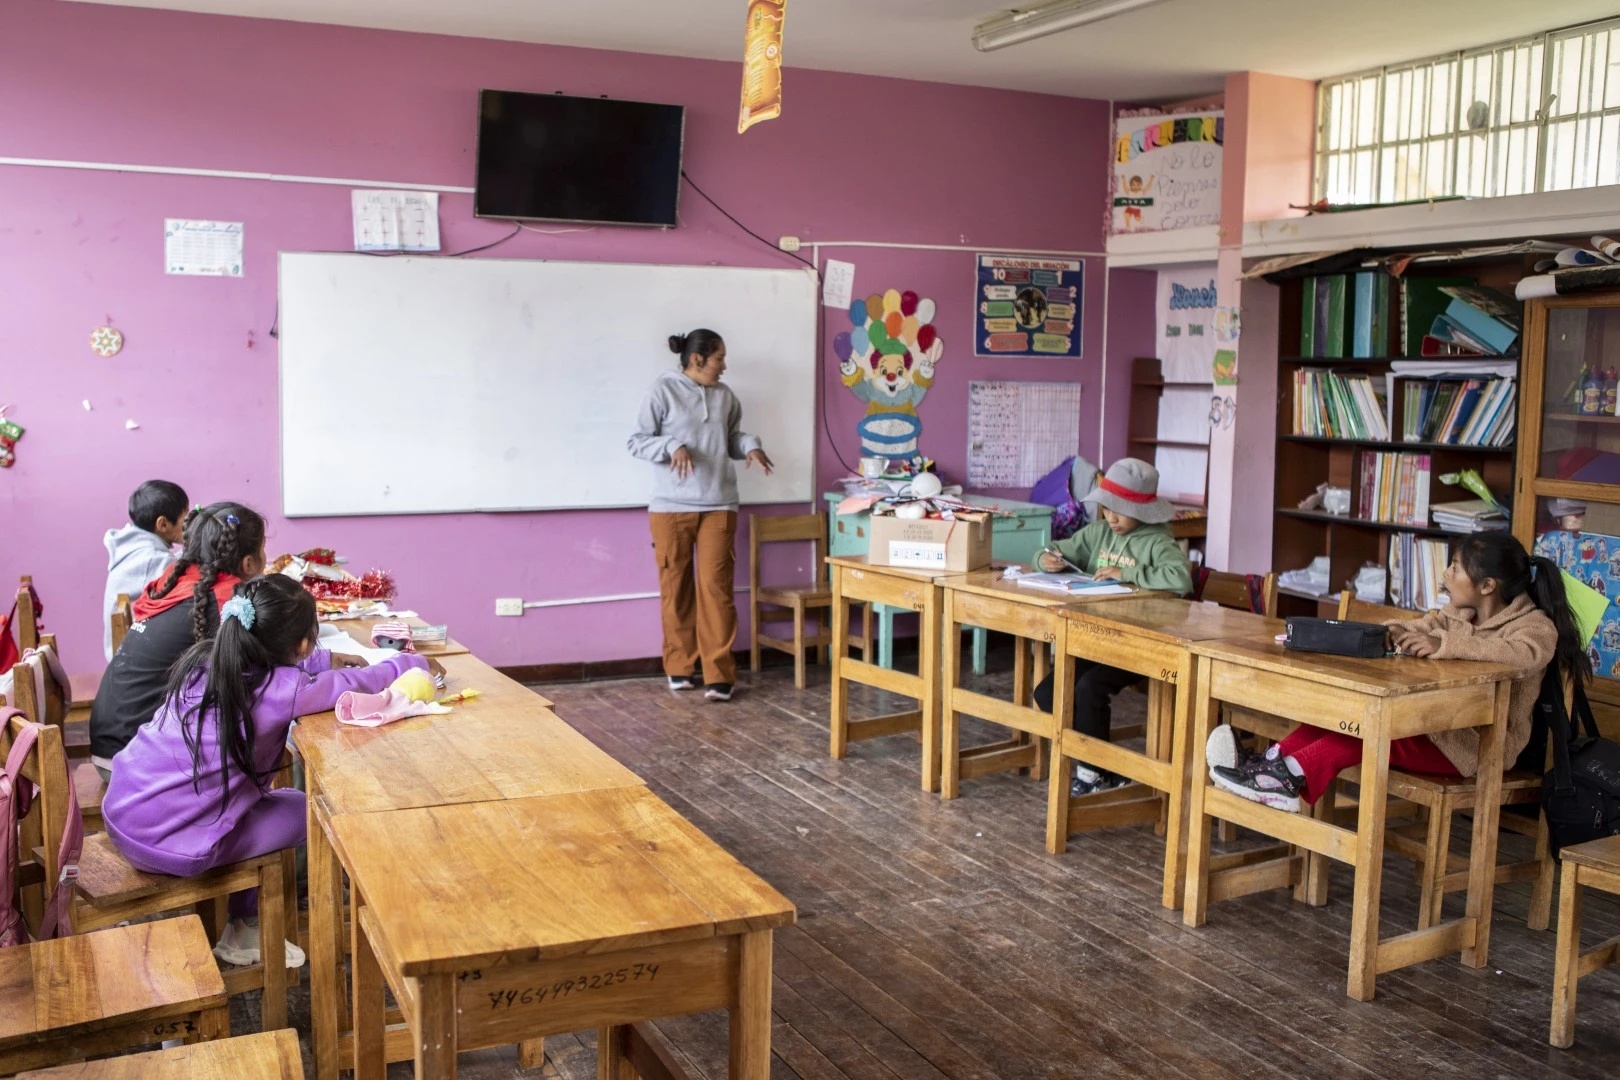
[[10, 432], [106, 341]]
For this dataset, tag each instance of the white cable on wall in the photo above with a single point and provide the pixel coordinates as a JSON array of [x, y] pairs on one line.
[[229, 174]]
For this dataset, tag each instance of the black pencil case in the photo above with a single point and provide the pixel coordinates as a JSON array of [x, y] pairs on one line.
[[1307, 634]]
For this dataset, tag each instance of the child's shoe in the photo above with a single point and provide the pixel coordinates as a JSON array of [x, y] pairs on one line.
[[1089, 781], [1224, 749], [1265, 780], [239, 945]]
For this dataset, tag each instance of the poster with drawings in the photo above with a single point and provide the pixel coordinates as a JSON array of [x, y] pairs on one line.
[[1595, 559], [1167, 171], [1027, 306], [1020, 431]]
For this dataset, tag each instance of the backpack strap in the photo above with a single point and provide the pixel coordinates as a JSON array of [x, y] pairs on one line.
[[1583, 710], [54, 922], [14, 792]]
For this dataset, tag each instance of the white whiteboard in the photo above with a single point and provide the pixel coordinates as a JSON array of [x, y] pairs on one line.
[[450, 385]]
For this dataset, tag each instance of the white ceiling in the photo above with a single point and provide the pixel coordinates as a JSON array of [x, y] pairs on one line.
[[1172, 50]]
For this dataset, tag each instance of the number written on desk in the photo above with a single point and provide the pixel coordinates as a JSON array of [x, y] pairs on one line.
[[1350, 727], [579, 984], [1096, 630], [1167, 674], [175, 1027]]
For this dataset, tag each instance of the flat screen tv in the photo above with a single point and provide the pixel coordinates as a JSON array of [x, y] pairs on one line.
[[550, 157]]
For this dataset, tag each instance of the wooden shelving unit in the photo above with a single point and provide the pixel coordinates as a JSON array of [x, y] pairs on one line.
[[1303, 462], [1148, 385]]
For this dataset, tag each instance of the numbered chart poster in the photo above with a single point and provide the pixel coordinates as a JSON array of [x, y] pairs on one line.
[[1027, 306], [1167, 171]]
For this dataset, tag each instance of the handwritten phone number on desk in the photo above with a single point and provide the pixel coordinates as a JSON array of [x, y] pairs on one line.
[[580, 984]]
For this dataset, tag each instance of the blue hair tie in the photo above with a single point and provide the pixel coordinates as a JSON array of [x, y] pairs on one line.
[[239, 608], [230, 519]]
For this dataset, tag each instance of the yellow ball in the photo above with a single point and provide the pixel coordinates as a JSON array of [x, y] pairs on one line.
[[415, 684]]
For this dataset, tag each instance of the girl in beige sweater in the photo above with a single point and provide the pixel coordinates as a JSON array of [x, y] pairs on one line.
[[1505, 607]]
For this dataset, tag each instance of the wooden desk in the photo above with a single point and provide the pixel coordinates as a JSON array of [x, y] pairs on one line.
[[360, 630], [1150, 637], [853, 578], [505, 744], [1033, 617], [1376, 701], [612, 909]]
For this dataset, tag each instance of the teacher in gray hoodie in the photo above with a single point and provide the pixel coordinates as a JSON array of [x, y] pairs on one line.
[[690, 426]]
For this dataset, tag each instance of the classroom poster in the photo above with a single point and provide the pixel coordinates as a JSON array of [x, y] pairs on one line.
[[1020, 431], [1185, 317], [1026, 306], [1167, 171], [1595, 559]]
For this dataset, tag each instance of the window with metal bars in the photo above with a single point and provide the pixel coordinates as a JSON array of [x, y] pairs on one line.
[[1539, 113]]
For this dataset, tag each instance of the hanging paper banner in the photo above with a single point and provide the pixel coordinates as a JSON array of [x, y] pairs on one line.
[[1167, 171], [762, 63], [1026, 306]]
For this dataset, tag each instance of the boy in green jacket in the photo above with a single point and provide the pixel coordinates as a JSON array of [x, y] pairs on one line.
[[1131, 544]]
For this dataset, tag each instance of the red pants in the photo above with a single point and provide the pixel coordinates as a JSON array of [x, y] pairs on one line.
[[1324, 754]]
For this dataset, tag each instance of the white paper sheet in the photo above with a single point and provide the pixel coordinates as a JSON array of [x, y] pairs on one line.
[[837, 284], [396, 220], [209, 248], [1184, 414], [1182, 474], [1020, 431], [340, 642]]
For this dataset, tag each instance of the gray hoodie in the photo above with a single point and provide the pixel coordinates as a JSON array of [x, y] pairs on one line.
[[134, 557], [677, 412]]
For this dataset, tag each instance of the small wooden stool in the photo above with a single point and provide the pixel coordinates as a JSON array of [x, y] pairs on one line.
[[268, 1055], [1595, 863], [100, 993]]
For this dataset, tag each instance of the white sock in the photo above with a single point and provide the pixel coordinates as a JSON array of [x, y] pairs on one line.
[[1086, 774]]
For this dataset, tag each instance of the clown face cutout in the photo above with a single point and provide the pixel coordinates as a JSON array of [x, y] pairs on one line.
[[887, 361]]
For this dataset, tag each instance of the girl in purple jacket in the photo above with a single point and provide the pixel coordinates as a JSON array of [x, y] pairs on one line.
[[191, 791]]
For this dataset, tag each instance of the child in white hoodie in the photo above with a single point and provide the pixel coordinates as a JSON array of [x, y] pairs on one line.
[[141, 550]]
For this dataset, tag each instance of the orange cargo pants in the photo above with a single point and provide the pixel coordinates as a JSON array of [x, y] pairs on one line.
[[700, 617]]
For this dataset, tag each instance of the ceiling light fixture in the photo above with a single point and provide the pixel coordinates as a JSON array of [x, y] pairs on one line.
[[1013, 27]]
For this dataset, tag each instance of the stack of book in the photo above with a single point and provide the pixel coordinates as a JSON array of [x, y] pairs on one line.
[[1460, 411], [1456, 317], [1395, 488], [1335, 303], [1416, 568], [1331, 404], [1468, 516]]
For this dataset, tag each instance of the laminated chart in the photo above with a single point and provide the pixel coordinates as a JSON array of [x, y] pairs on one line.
[[1027, 306], [1020, 431]]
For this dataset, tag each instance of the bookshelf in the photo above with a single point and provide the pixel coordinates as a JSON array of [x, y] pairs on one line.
[[1304, 461], [1148, 385]]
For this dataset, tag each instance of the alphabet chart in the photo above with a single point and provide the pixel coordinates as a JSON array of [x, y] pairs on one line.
[[1020, 431]]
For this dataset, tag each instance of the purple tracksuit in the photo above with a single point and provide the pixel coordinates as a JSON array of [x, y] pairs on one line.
[[163, 826]]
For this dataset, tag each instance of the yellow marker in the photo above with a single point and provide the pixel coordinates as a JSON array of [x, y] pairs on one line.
[[465, 695]]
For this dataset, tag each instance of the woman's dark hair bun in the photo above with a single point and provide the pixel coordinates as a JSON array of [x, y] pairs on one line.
[[677, 343]]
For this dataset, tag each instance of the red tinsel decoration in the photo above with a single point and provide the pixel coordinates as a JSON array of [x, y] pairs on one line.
[[323, 556], [372, 585]]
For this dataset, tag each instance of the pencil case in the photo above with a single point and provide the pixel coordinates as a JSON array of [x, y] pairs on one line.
[[1306, 634]]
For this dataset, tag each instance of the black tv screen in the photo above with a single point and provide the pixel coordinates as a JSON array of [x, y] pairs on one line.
[[550, 157]]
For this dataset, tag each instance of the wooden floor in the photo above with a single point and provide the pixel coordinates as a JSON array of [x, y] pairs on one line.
[[939, 940]]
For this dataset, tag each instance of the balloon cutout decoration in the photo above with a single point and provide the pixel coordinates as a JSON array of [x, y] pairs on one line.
[[887, 360]]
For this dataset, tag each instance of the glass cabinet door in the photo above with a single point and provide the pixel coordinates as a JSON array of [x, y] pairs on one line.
[[1580, 423]]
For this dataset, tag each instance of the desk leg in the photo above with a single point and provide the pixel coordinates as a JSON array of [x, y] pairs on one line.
[[325, 957], [436, 1027], [950, 677], [929, 671], [981, 650], [1022, 687], [838, 710], [1178, 742], [885, 648], [1057, 780], [1194, 910], [1487, 819], [370, 1059], [612, 1054], [1369, 861], [751, 1016], [531, 1053]]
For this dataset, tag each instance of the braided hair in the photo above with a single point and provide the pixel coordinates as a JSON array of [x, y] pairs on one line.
[[218, 538]]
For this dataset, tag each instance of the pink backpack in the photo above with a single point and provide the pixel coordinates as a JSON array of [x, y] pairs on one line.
[[16, 795]]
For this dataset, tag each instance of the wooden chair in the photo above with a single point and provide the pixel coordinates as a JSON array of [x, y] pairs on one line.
[[127, 986], [1428, 842], [81, 688], [110, 891], [52, 710], [1596, 864], [268, 1055], [1233, 591], [121, 618], [791, 603]]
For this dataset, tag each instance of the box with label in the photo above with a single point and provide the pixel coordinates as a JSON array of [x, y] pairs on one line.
[[956, 546]]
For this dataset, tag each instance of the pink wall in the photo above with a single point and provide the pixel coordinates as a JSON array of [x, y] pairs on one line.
[[854, 157]]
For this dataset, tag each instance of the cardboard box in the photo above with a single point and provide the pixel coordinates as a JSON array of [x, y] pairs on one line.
[[946, 546]]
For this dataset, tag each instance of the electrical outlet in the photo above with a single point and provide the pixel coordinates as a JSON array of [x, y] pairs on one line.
[[511, 605], [788, 243]]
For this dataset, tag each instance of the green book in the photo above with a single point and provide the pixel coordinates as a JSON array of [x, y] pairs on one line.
[[1307, 324], [1337, 309], [1380, 316]]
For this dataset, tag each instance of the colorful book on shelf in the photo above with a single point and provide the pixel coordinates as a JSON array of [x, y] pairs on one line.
[[1446, 329], [1486, 315], [1433, 346], [1370, 315], [1421, 302], [1337, 310], [1307, 318]]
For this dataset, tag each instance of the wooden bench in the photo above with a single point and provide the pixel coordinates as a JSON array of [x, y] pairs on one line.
[[267, 1055], [110, 891], [1595, 864], [100, 993]]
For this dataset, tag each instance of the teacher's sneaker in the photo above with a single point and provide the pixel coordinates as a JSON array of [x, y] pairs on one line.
[[1266, 780], [683, 682], [239, 945], [720, 691]]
